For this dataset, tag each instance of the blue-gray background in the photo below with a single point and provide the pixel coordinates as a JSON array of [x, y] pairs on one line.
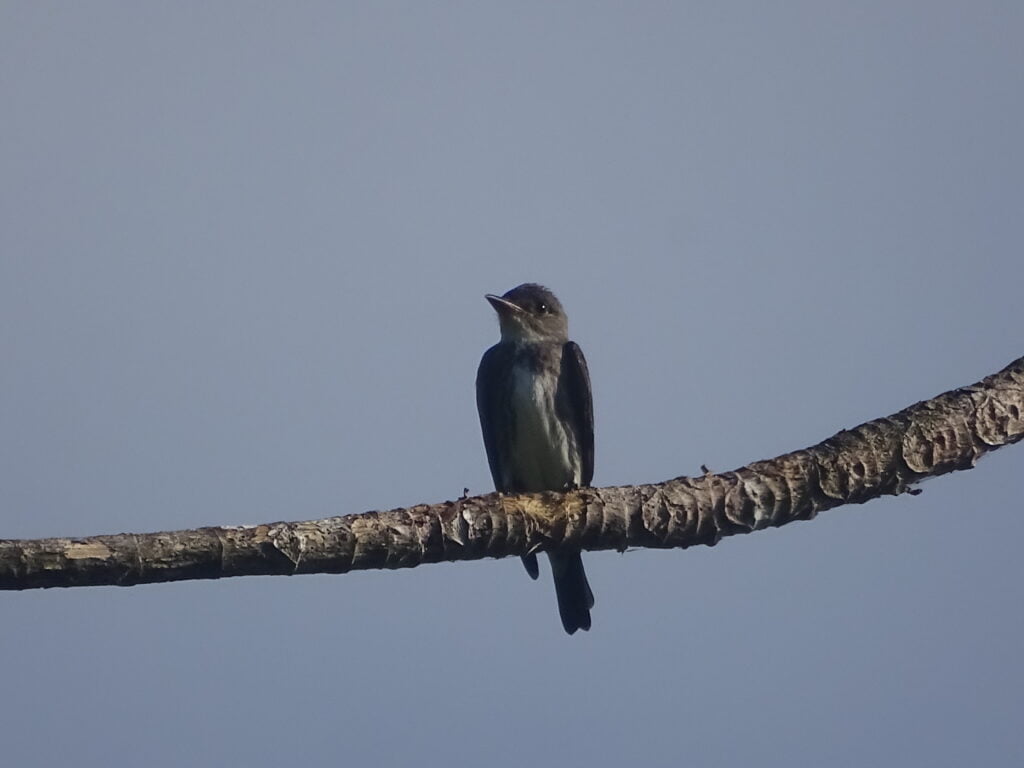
[[243, 252]]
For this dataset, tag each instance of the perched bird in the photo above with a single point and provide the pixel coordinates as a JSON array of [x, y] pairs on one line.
[[537, 416]]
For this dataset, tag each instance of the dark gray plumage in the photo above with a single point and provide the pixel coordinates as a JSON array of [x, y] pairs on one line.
[[537, 416]]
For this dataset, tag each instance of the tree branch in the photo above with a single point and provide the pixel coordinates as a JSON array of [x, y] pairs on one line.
[[886, 456]]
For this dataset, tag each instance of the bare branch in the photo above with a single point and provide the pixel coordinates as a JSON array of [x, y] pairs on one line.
[[882, 457]]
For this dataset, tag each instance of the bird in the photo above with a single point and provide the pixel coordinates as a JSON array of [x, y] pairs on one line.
[[536, 413]]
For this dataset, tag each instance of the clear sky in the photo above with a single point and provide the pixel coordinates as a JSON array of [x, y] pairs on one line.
[[243, 252]]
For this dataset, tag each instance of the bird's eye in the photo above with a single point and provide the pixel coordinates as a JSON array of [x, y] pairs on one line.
[[543, 308]]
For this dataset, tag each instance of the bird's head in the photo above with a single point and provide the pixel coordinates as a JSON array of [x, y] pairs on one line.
[[530, 313]]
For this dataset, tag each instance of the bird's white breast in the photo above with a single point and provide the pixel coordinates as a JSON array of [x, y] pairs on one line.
[[542, 453]]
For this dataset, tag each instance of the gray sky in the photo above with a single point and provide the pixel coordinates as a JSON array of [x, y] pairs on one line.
[[243, 252]]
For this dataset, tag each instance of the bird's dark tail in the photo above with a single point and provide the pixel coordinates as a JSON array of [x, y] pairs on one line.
[[572, 590]]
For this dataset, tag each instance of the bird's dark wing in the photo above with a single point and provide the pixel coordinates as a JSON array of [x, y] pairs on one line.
[[578, 405], [493, 382], [493, 398]]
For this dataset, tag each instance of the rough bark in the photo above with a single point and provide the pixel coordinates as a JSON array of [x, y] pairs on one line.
[[886, 456]]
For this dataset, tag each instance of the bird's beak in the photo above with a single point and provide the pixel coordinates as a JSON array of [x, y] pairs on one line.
[[503, 307]]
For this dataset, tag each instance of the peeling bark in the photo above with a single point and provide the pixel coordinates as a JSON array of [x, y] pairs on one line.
[[886, 456]]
